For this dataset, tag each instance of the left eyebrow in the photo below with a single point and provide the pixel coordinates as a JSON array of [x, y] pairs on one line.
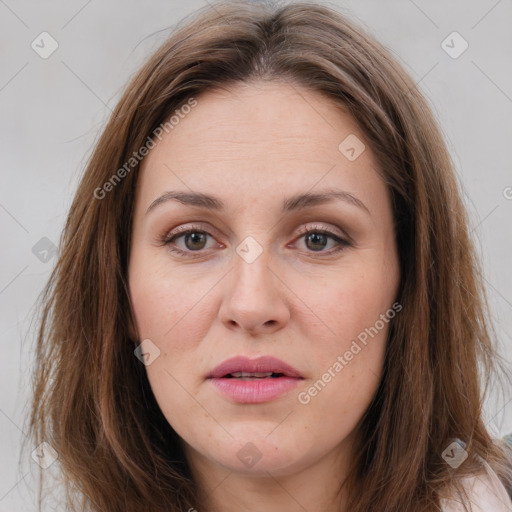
[[301, 201], [293, 203]]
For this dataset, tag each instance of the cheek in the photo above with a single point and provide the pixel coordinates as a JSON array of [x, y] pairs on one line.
[[357, 311], [168, 309], [351, 306]]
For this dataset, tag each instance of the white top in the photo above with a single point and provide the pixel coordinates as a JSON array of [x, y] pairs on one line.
[[486, 492]]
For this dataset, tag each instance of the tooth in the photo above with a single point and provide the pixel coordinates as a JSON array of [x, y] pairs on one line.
[[248, 374]]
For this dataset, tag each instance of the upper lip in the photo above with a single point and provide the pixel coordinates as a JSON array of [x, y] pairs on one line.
[[260, 364]]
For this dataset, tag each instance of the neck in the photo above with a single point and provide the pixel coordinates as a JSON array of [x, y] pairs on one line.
[[312, 489]]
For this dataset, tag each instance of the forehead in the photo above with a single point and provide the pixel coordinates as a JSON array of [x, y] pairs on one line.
[[260, 136], [262, 116]]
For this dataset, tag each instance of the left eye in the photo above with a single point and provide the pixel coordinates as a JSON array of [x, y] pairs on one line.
[[318, 240]]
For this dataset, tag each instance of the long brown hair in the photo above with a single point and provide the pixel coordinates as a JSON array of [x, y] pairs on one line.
[[92, 400]]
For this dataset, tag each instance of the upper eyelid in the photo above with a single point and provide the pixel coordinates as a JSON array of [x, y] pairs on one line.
[[311, 226], [315, 226], [173, 233]]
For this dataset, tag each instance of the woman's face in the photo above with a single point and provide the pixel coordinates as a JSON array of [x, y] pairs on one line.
[[248, 164]]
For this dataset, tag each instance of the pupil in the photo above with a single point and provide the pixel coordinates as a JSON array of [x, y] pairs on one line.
[[196, 238], [315, 237]]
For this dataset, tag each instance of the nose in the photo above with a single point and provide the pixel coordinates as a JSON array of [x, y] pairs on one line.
[[255, 297]]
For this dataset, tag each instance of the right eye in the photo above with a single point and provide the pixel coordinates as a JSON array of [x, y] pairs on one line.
[[194, 241]]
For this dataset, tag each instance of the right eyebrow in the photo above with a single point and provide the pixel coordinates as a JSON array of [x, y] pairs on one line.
[[189, 198]]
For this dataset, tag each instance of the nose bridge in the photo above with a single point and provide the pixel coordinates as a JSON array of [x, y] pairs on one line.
[[252, 266], [254, 299]]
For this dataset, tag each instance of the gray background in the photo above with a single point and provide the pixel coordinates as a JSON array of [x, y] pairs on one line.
[[53, 109]]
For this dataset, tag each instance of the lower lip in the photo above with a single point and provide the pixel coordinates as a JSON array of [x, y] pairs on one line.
[[254, 391]]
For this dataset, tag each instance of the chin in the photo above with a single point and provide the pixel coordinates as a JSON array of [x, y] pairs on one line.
[[258, 456]]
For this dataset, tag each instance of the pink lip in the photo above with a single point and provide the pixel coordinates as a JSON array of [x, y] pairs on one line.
[[254, 391]]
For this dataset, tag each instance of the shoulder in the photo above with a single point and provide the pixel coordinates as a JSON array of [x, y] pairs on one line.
[[485, 491]]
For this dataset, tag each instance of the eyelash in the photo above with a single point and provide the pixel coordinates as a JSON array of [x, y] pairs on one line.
[[167, 239]]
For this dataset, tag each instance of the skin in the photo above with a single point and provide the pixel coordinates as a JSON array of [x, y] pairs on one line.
[[253, 145]]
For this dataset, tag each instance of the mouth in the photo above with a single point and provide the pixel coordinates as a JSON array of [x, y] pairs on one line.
[[263, 367], [253, 376], [252, 381]]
